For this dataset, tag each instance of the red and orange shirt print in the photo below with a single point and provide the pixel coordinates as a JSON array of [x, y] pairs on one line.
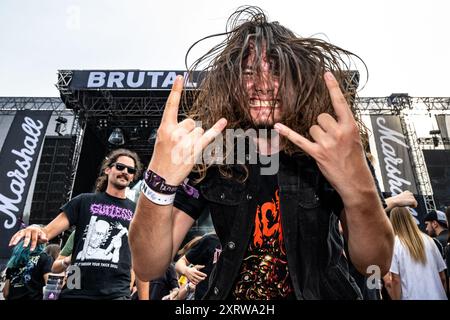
[[264, 274]]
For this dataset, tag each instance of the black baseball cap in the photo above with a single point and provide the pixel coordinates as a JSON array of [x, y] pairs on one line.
[[437, 215]]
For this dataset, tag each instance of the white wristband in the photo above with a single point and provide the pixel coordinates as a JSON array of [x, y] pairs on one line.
[[156, 197]]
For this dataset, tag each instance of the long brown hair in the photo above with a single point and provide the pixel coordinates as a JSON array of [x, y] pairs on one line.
[[299, 62], [102, 181], [409, 234], [193, 242]]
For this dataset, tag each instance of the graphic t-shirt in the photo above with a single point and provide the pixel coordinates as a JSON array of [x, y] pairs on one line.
[[264, 273], [100, 250], [26, 282]]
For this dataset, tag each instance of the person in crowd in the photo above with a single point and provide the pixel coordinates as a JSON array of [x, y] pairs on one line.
[[53, 250], [404, 199], [198, 263], [185, 292], [369, 289], [437, 226], [417, 269], [100, 254], [278, 225], [27, 273], [63, 261]]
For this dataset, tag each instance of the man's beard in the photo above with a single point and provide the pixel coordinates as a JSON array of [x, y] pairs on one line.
[[119, 186], [266, 128], [433, 233], [265, 125]]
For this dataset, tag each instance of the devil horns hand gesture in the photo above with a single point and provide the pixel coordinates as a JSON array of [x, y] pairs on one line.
[[337, 147], [178, 145]]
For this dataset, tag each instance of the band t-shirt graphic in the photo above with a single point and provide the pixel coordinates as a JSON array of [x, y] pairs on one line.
[[264, 273], [100, 248]]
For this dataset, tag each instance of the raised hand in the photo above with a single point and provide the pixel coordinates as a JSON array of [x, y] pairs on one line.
[[404, 199], [337, 146], [178, 145], [33, 234]]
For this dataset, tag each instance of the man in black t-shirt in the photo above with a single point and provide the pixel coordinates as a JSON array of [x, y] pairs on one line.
[[101, 259]]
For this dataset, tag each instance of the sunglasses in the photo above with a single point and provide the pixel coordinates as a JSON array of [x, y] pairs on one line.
[[120, 166]]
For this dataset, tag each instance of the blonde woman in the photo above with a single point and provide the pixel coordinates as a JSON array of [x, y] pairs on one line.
[[417, 268]]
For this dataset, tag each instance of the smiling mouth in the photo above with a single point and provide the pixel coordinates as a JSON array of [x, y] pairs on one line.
[[255, 103]]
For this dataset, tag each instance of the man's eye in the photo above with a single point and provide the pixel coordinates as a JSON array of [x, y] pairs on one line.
[[248, 72]]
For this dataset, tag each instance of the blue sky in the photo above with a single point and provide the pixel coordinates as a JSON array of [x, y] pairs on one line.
[[406, 44]]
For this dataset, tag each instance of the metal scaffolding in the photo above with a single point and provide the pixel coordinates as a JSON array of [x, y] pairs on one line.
[[13, 104], [139, 114], [10, 105], [404, 106]]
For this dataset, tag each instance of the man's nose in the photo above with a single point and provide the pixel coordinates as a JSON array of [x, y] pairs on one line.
[[264, 86]]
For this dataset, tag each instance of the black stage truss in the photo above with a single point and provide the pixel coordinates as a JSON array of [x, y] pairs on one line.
[[138, 113]]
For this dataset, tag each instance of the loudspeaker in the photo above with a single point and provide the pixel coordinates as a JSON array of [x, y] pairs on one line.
[[438, 165], [53, 181]]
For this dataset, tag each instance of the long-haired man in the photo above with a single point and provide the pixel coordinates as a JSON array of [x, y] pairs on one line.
[[277, 224]]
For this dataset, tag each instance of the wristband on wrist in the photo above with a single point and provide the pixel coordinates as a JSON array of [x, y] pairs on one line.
[[156, 197], [158, 183]]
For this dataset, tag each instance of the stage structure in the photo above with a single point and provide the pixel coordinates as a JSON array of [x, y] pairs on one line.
[[132, 101], [406, 107], [97, 102], [54, 175]]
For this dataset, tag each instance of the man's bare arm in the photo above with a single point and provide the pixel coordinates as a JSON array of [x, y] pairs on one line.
[[336, 147], [396, 287], [156, 231], [143, 289], [443, 280], [61, 263], [368, 232], [37, 235]]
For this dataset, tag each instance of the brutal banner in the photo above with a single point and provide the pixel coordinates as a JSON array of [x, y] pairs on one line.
[[18, 159], [130, 80]]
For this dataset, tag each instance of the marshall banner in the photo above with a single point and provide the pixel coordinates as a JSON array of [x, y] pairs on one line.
[[393, 156], [18, 159]]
